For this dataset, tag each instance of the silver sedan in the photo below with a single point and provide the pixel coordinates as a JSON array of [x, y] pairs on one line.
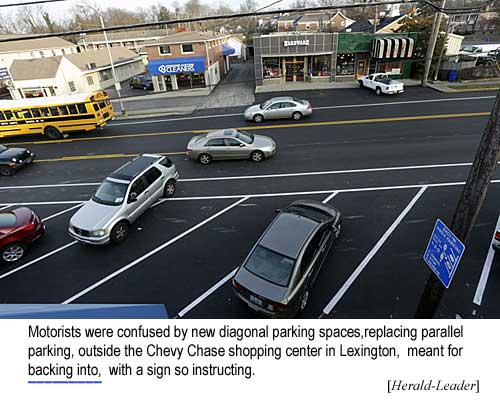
[[229, 144], [279, 107]]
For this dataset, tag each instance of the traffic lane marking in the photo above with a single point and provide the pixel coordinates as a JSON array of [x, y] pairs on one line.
[[359, 269], [151, 253], [103, 156], [265, 127], [314, 109]]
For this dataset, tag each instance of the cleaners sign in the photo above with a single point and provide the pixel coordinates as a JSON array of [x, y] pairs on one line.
[[176, 66]]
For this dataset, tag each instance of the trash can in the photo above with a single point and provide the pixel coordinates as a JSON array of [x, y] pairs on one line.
[[452, 76]]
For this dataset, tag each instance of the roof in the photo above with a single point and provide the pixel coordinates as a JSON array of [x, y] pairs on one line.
[[362, 25], [100, 57], [288, 18], [42, 101], [311, 18], [288, 233], [33, 44], [130, 170], [185, 37], [341, 14], [127, 35], [35, 68]]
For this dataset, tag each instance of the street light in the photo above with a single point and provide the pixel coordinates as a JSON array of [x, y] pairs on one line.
[[117, 83]]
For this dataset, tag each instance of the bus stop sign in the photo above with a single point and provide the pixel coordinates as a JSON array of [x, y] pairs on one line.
[[443, 253]]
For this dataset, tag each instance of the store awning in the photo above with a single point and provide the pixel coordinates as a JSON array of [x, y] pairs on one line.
[[393, 48], [169, 66], [227, 50]]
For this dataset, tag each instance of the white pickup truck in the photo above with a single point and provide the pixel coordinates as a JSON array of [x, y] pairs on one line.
[[381, 83]]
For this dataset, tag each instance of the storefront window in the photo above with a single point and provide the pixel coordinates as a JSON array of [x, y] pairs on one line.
[[320, 65], [192, 80], [271, 68], [345, 64], [395, 68]]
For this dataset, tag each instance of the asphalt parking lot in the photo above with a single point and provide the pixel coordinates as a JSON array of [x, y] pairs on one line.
[[386, 180]]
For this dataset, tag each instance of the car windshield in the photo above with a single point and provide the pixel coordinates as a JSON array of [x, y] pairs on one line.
[[271, 266], [110, 193], [7, 220], [245, 137], [2, 149], [264, 105], [470, 49]]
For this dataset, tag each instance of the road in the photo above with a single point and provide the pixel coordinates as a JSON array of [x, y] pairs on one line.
[[392, 165]]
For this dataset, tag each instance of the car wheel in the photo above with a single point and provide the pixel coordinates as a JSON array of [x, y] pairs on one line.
[[304, 299], [489, 63], [5, 170], [297, 115], [119, 233], [378, 91], [169, 190], [257, 156], [361, 84], [258, 118], [52, 133], [13, 252], [205, 159]]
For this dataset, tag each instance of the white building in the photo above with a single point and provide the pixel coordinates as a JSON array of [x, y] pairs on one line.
[[72, 73], [240, 48], [33, 48], [453, 44]]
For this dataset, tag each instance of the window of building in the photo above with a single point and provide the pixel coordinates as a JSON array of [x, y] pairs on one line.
[[72, 86], [164, 49], [32, 54], [63, 51], [90, 80], [53, 52], [187, 48], [41, 53], [104, 75], [320, 65], [308, 27], [271, 68], [345, 64]]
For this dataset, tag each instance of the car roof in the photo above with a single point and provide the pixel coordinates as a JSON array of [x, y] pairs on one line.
[[222, 132], [134, 167], [282, 98], [288, 233]]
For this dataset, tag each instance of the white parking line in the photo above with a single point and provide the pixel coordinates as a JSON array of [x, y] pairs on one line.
[[48, 186], [46, 203], [38, 259], [201, 298], [4, 207], [314, 108], [330, 197], [481, 286], [60, 213], [152, 252], [333, 302]]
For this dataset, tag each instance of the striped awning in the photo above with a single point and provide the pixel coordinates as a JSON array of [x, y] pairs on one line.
[[393, 47]]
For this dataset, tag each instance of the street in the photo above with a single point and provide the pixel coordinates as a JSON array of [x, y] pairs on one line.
[[392, 165]]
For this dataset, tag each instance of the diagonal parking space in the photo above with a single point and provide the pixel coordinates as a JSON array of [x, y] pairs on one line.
[[79, 266]]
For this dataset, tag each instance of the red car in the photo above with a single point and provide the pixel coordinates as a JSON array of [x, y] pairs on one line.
[[18, 229]]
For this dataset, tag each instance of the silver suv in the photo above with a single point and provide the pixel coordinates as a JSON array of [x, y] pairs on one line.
[[122, 198]]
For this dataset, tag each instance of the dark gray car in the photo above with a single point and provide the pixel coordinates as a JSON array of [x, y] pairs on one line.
[[277, 276], [230, 144]]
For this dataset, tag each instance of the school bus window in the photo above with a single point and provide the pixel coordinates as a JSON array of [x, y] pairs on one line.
[[2, 117], [102, 104], [8, 114], [53, 111], [23, 114], [72, 109], [36, 112], [96, 107], [45, 112], [108, 102], [63, 110], [81, 108]]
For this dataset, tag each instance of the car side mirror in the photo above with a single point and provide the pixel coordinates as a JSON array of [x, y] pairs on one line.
[[133, 197], [242, 145]]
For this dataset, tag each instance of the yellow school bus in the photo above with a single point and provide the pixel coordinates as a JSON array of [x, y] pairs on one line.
[[55, 116]]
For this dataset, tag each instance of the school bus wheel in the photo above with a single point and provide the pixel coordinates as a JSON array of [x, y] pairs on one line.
[[52, 133]]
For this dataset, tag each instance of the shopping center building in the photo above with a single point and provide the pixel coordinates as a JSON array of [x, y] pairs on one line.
[[328, 57]]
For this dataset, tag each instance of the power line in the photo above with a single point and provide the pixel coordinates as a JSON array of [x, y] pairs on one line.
[[30, 3], [221, 17]]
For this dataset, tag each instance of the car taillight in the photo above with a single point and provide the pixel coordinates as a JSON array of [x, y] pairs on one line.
[[236, 285], [309, 106], [497, 235]]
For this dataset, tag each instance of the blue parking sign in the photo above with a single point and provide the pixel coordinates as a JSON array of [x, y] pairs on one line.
[[443, 252]]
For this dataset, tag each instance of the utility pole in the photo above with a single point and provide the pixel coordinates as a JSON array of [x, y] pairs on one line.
[[473, 194], [117, 84], [375, 20], [432, 43], [449, 29]]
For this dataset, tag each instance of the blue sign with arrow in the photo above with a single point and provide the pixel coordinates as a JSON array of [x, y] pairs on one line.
[[443, 253]]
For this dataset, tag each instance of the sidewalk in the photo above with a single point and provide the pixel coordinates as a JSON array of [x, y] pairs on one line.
[[465, 86], [293, 86]]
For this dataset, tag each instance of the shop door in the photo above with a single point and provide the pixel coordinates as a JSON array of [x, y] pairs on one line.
[[289, 69], [294, 69], [362, 68]]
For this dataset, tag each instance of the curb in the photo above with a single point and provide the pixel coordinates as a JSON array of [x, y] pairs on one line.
[[156, 113]]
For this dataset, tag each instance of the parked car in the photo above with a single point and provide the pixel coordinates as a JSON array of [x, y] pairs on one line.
[[144, 82], [476, 50], [491, 58], [231, 144], [13, 159], [496, 240], [381, 83], [277, 276], [122, 198], [19, 228], [278, 107]]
